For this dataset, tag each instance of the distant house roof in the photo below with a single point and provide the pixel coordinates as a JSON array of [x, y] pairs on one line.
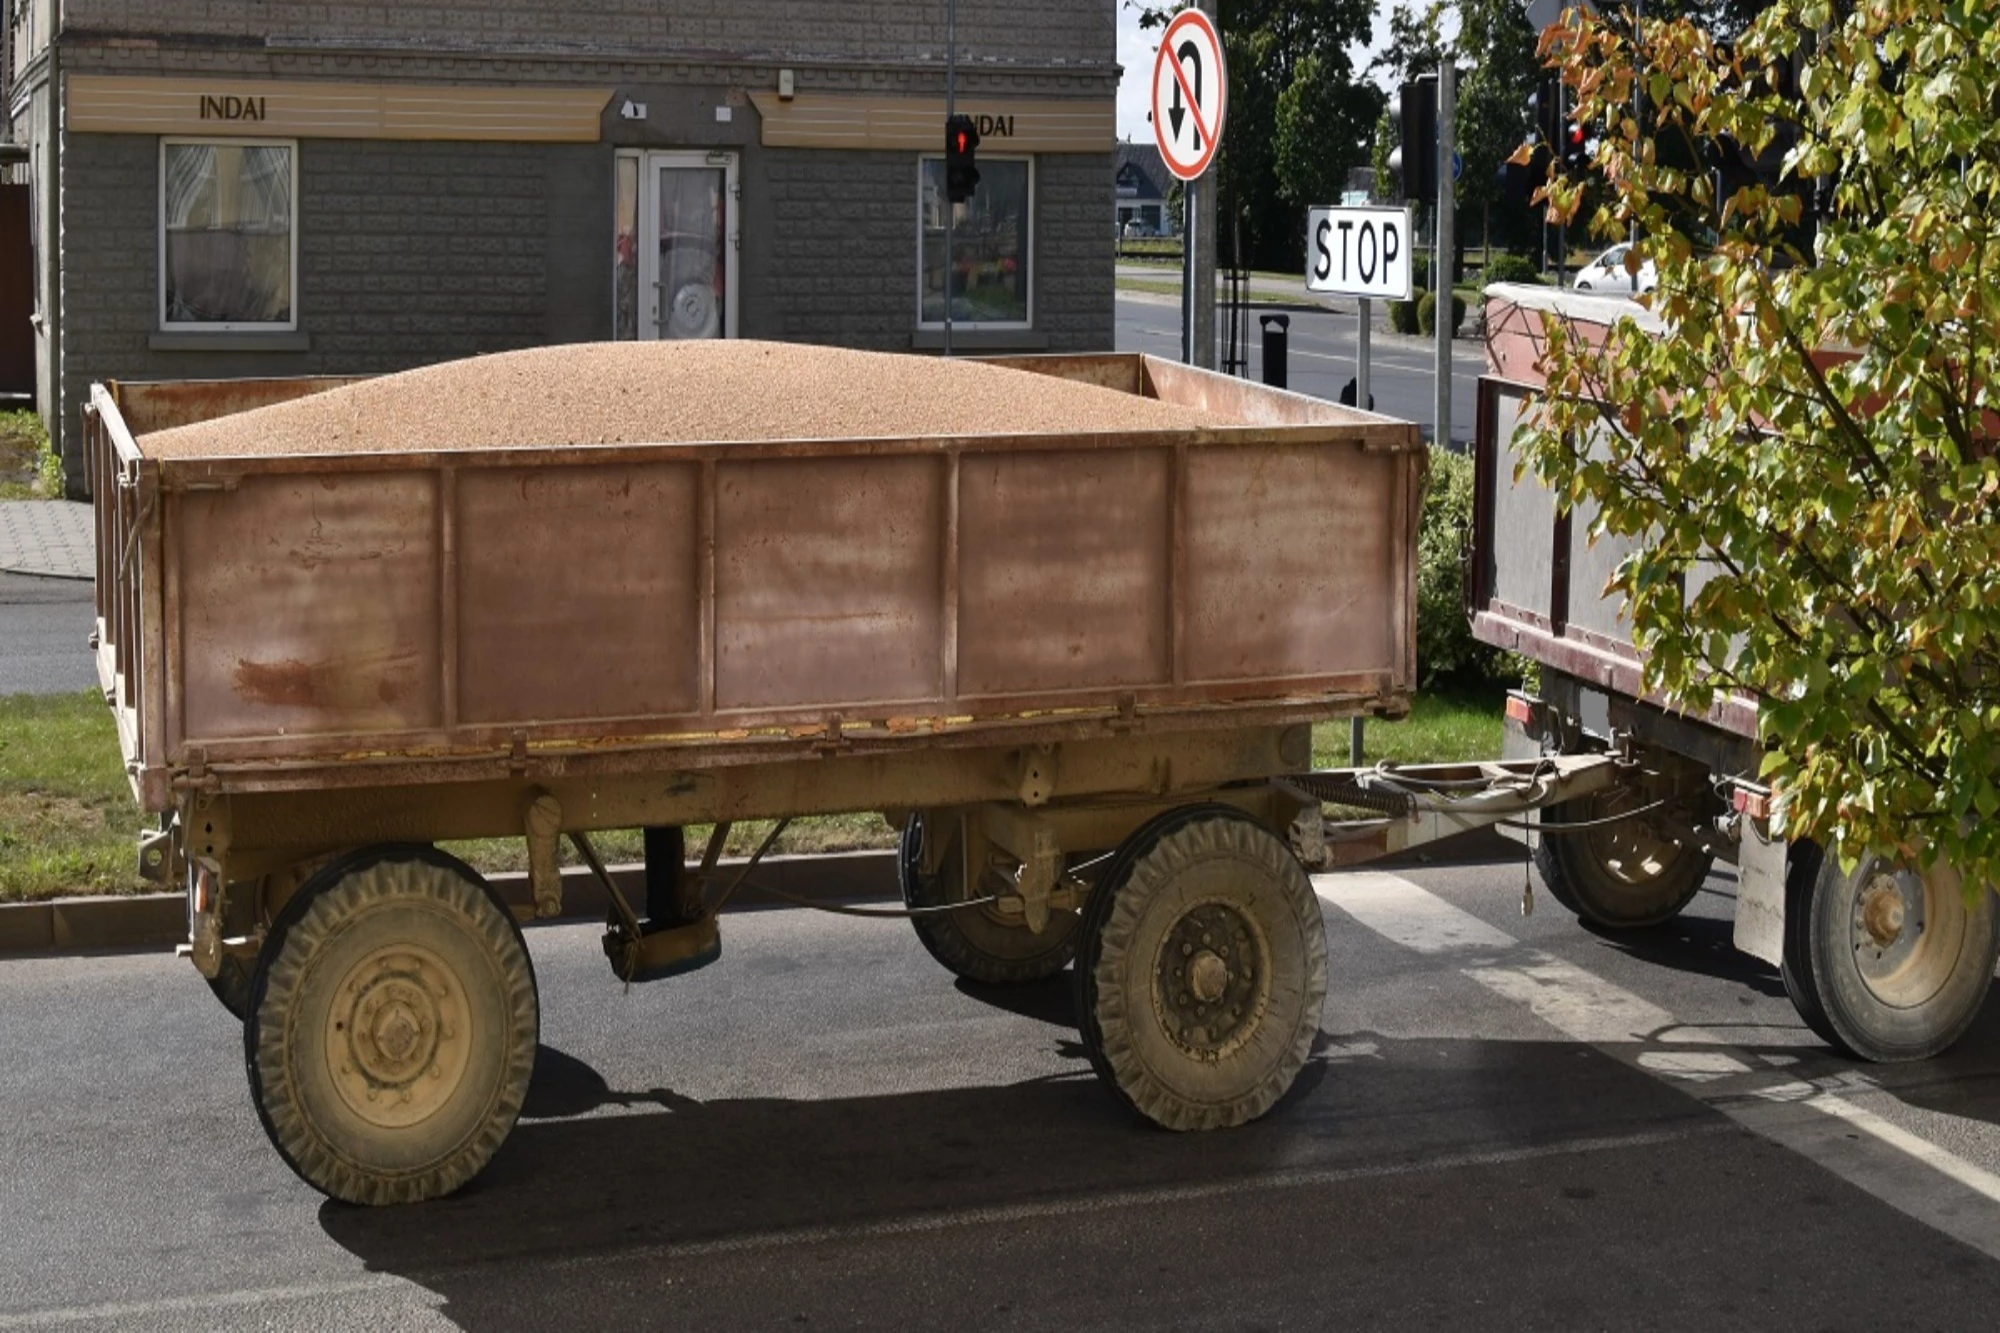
[[1141, 173]]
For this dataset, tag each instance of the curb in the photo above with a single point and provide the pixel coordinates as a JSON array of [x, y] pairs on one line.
[[47, 574], [158, 921]]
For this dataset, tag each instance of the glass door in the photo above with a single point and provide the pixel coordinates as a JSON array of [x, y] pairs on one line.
[[687, 246]]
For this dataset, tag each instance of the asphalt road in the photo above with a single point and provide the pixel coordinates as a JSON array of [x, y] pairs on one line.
[[1508, 1122], [45, 629], [1320, 359]]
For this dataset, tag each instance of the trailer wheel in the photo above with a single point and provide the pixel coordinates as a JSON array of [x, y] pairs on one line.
[[1885, 962], [1620, 876], [1201, 970], [976, 943], [231, 984], [236, 974], [392, 1027]]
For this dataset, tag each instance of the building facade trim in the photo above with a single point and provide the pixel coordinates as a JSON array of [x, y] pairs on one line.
[[305, 108], [835, 120]]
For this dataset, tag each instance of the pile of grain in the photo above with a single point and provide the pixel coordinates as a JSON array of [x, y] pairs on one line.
[[671, 392]]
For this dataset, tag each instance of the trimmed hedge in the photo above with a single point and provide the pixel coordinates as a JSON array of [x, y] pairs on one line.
[[1446, 650], [1510, 268], [1427, 313], [1403, 316]]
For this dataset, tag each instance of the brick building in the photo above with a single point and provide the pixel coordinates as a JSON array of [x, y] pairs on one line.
[[271, 187]]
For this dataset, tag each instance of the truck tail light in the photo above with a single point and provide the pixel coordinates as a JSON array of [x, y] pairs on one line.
[[1748, 801]]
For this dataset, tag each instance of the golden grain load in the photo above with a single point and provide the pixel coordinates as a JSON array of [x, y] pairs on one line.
[[671, 392]]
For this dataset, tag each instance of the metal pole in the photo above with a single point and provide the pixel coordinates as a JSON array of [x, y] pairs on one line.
[[1441, 262], [1190, 224], [1562, 227], [1203, 203], [1638, 90], [950, 110], [1361, 354]]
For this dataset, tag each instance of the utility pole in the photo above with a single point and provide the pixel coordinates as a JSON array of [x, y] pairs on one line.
[[1199, 269], [1441, 261]]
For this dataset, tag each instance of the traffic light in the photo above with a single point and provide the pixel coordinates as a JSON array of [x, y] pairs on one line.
[[1576, 147], [1415, 161], [1545, 105], [961, 168]]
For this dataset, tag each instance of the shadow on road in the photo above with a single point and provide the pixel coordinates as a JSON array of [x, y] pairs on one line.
[[1701, 945], [598, 1175]]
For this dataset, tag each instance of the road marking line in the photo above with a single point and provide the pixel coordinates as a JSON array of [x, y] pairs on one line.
[[1007, 1215], [311, 1291], [1599, 1013], [1968, 1174], [1419, 921]]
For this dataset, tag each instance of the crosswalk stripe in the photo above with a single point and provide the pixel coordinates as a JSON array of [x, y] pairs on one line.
[[1636, 1032]]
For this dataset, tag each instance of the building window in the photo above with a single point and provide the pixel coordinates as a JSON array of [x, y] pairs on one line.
[[228, 234], [993, 244]]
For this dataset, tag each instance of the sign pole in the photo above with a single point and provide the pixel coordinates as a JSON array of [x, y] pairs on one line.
[[1190, 95], [1190, 226], [1441, 261], [1361, 354]]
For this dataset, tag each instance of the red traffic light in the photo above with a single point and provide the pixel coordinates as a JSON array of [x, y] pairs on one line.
[[961, 170]]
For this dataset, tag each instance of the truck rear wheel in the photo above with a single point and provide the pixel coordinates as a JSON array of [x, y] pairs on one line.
[[975, 943], [1886, 962], [1622, 875], [392, 1027], [1201, 969]]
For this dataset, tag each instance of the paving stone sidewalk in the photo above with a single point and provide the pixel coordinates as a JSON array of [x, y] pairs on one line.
[[52, 538]]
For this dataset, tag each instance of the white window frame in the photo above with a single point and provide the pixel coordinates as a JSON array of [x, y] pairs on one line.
[[160, 227], [1008, 324]]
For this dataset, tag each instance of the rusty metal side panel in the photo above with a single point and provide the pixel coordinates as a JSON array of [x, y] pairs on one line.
[[828, 581], [1292, 566], [318, 610], [577, 593], [1064, 564], [163, 404], [1240, 402], [1123, 371]]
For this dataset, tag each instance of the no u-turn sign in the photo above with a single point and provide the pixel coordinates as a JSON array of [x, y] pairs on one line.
[[1190, 93]]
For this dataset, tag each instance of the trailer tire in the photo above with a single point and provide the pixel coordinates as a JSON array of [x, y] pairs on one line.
[[392, 1028], [974, 943], [1621, 876], [237, 973], [1174, 1021], [231, 984], [1884, 962]]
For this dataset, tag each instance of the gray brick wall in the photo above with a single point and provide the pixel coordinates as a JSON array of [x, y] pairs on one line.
[[1074, 251], [408, 253], [877, 31], [840, 250]]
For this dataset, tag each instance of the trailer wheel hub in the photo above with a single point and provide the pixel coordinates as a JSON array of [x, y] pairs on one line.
[[396, 1037], [1209, 987], [1882, 910]]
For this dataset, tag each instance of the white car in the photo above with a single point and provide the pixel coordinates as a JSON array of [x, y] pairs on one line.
[[1607, 273]]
